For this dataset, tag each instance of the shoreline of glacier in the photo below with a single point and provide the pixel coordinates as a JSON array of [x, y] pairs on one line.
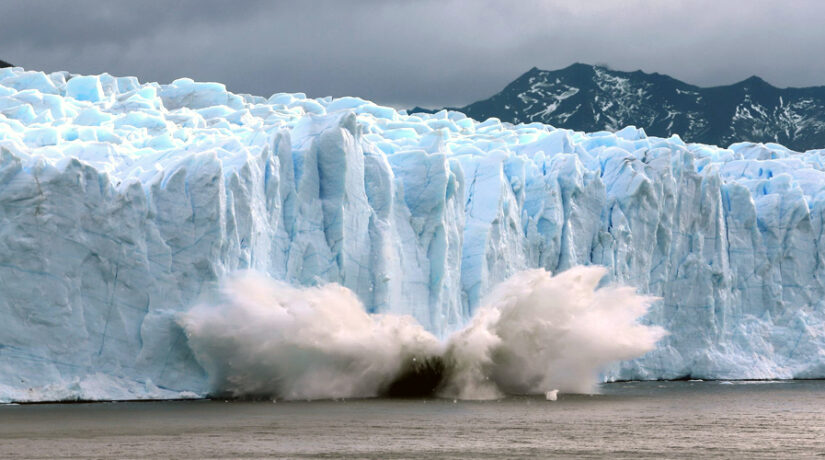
[[207, 397]]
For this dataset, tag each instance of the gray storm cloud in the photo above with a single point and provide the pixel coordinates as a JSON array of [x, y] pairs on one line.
[[420, 52]]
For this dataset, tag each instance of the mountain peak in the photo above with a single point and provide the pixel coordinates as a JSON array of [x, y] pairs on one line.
[[578, 70], [579, 66], [5, 64], [755, 80], [531, 73]]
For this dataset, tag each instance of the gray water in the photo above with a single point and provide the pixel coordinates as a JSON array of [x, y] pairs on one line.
[[628, 420]]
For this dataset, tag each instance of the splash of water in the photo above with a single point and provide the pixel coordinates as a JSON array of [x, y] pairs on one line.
[[534, 333], [266, 338]]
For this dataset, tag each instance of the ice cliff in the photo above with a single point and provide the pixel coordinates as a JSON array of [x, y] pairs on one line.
[[122, 204]]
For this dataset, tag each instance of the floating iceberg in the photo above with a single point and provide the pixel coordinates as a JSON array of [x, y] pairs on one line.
[[123, 204]]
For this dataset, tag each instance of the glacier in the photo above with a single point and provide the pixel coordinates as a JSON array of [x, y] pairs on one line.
[[123, 204]]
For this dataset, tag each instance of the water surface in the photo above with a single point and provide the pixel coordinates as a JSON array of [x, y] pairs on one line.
[[631, 420]]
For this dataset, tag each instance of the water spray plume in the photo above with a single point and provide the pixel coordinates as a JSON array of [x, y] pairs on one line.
[[533, 334]]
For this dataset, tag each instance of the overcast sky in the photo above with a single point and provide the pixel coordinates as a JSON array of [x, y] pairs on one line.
[[415, 52]]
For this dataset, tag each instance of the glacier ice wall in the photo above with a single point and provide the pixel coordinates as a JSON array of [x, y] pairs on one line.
[[122, 204]]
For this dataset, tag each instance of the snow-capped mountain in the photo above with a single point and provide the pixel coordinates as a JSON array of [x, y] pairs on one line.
[[593, 98]]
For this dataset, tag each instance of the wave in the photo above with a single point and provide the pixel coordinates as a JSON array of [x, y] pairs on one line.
[[534, 333]]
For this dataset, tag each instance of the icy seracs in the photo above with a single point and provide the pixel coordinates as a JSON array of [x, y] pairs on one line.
[[122, 204]]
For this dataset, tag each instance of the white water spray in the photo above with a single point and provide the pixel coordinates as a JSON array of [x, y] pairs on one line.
[[533, 333], [269, 339], [536, 333]]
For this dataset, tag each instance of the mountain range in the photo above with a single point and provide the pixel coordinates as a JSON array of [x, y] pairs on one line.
[[595, 98]]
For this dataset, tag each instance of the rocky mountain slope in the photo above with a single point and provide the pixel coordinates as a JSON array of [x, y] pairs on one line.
[[593, 98]]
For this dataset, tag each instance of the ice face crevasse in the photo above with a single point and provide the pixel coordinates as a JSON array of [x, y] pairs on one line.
[[122, 204]]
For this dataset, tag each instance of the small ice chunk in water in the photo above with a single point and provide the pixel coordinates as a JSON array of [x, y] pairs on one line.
[[552, 395]]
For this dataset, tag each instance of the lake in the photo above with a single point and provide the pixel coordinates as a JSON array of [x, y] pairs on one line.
[[630, 420]]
